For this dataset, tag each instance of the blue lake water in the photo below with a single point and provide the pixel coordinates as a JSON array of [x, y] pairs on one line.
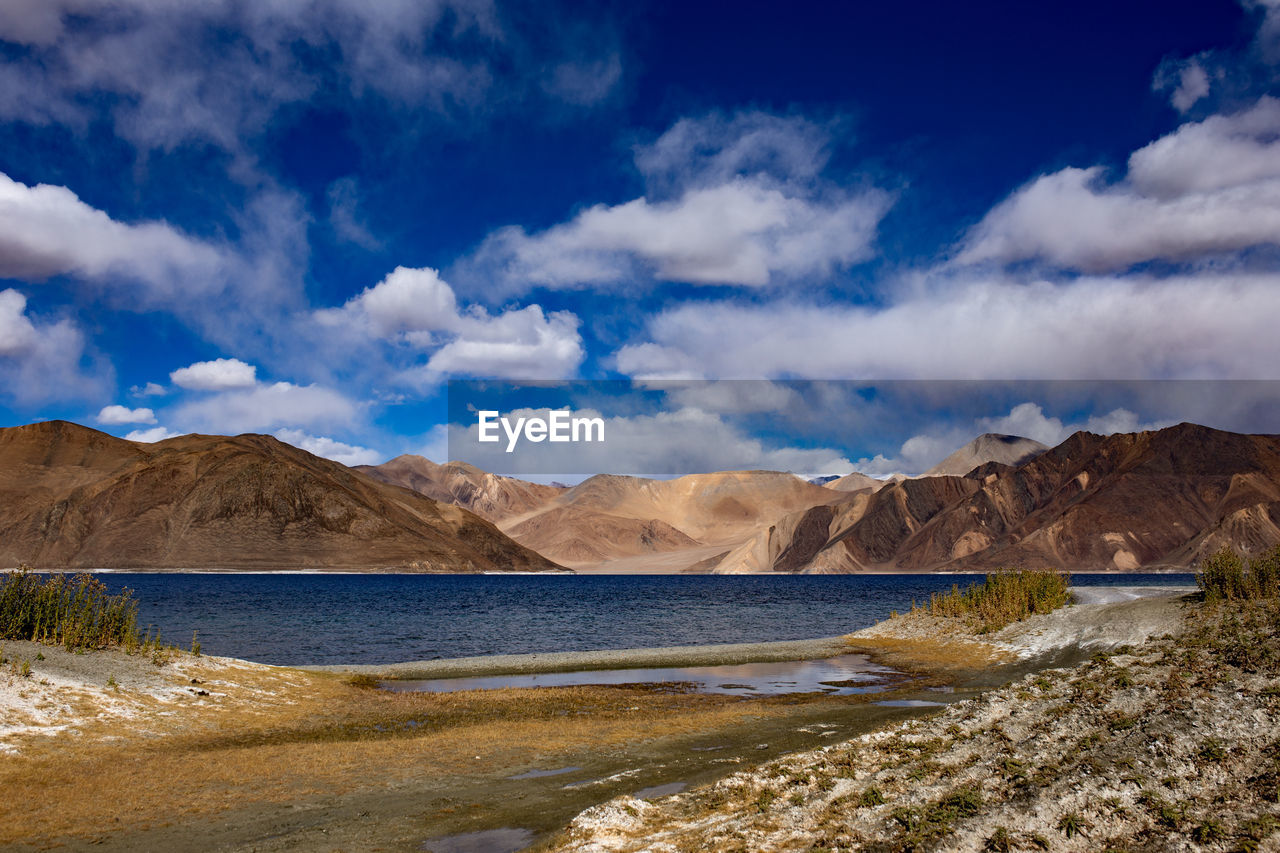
[[335, 618]]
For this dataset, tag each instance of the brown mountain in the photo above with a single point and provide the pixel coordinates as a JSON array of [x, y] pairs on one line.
[[73, 497], [988, 447], [1161, 499], [610, 517], [490, 496]]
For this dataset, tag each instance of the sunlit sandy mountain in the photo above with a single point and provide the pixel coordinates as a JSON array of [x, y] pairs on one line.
[[610, 517], [75, 497], [491, 496]]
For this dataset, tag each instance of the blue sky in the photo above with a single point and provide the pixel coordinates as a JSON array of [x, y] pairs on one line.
[[304, 218]]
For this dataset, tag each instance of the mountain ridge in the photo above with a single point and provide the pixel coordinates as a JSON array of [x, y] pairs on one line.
[[74, 497]]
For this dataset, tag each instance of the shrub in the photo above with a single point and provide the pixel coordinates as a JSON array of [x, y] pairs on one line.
[[1227, 576], [1004, 597], [73, 612]]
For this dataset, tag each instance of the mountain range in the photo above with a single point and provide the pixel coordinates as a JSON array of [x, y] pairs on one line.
[[74, 497], [1149, 500]]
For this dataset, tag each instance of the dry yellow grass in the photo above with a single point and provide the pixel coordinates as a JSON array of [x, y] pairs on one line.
[[282, 736]]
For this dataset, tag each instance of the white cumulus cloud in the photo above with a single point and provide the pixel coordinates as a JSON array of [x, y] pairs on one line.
[[123, 415], [731, 202], [1209, 187], [44, 360], [267, 407], [47, 230], [217, 375], [151, 436], [329, 448], [419, 308]]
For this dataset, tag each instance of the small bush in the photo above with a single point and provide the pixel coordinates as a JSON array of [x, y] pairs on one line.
[[74, 612], [1227, 576], [871, 797], [1003, 598]]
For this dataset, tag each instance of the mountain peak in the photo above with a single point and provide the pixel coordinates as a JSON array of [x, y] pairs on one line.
[[989, 447]]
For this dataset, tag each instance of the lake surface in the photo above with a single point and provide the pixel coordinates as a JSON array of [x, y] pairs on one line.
[[377, 619]]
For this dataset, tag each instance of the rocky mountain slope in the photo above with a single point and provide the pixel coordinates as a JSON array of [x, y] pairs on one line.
[[1159, 499], [73, 497]]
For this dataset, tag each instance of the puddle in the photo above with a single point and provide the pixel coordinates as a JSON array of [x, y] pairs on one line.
[[660, 791], [489, 841], [839, 676], [911, 703], [538, 774]]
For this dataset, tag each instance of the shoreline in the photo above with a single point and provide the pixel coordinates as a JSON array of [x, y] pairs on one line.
[[585, 661], [1051, 633]]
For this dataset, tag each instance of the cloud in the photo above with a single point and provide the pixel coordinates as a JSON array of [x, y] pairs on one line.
[[347, 454], [1029, 420], [345, 217], [47, 231], [44, 361], [1193, 326], [115, 415], [151, 389], [151, 436], [266, 407], [418, 308], [1210, 187], [679, 441], [167, 73], [435, 444], [17, 332], [1186, 81], [1220, 153], [217, 375], [731, 202], [734, 397], [715, 149], [407, 300], [237, 296], [585, 83]]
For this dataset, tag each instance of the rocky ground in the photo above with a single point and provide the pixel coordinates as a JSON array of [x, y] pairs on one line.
[[1167, 738]]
